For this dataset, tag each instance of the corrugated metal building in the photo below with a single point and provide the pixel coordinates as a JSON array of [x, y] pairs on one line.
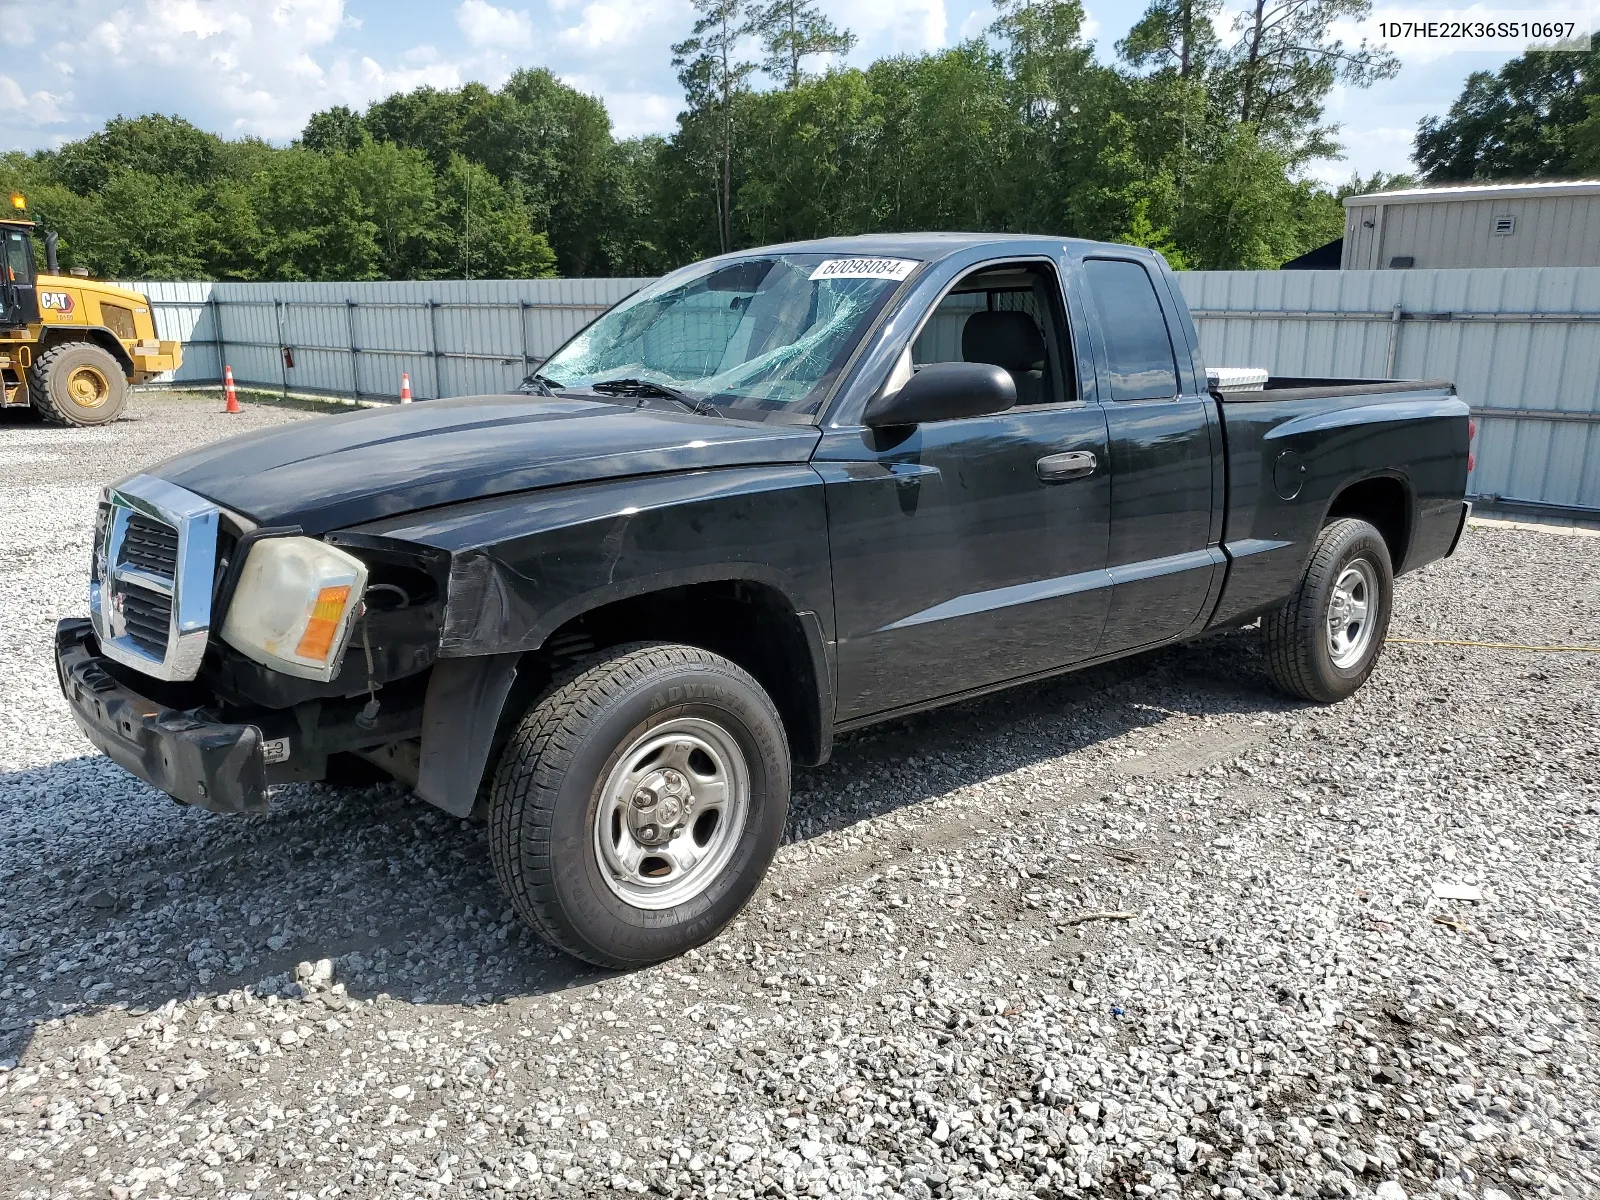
[[1548, 224]]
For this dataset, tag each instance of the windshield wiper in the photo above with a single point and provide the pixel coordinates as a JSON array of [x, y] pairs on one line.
[[538, 385], [648, 387]]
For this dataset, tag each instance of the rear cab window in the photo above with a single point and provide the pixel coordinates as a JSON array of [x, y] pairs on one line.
[[1139, 362]]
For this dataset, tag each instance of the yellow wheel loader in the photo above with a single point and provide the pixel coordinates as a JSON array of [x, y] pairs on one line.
[[70, 346]]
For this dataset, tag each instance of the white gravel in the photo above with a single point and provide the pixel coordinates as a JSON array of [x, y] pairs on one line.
[[332, 999]]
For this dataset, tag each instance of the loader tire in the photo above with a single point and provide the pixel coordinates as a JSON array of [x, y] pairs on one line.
[[1323, 644], [77, 383]]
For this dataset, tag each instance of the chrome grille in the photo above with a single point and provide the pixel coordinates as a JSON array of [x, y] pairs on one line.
[[149, 545], [146, 616], [150, 587]]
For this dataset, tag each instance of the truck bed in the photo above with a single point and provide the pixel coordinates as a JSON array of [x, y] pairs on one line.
[[1299, 441]]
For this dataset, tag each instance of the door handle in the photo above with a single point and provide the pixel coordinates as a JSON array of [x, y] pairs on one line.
[[1074, 464]]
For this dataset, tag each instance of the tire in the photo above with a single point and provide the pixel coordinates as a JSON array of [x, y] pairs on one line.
[[77, 383], [617, 748], [1305, 656]]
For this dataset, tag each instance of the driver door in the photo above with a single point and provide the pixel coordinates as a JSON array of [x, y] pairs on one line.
[[972, 552]]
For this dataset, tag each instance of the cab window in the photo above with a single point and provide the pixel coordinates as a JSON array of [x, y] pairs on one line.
[[1139, 356], [17, 256], [1010, 315]]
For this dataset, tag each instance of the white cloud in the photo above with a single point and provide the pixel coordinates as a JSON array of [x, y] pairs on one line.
[[238, 67], [262, 67], [40, 106], [1372, 148], [487, 27], [632, 113], [902, 26], [646, 27]]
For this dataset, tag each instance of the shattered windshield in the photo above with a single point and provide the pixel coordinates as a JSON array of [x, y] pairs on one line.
[[759, 333]]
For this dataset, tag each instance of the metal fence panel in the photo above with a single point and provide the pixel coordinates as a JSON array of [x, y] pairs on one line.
[[1522, 345], [452, 337]]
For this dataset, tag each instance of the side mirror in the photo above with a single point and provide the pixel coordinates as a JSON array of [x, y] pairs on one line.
[[943, 392]]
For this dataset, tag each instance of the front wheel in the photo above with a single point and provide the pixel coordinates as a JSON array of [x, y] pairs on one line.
[[638, 804], [77, 383], [1323, 644]]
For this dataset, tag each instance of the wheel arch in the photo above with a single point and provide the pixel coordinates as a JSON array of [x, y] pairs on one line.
[[1385, 500], [473, 703], [58, 335]]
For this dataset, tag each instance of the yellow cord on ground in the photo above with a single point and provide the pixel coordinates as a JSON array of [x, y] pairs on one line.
[[1492, 645]]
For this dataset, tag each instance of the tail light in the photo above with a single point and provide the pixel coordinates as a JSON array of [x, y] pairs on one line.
[[1472, 437]]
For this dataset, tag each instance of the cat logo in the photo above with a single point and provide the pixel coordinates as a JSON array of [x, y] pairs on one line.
[[60, 302]]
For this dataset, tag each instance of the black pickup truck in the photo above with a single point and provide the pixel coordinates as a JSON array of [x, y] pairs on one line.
[[770, 497]]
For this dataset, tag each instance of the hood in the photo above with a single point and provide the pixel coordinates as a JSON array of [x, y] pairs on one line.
[[106, 291], [347, 470]]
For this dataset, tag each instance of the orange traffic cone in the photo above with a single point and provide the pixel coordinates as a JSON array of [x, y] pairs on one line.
[[228, 390], [405, 387]]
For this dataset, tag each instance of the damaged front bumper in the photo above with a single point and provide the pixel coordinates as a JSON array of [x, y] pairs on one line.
[[226, 767], [209, 764]]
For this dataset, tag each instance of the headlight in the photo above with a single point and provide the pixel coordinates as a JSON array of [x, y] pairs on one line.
[[296, 600]]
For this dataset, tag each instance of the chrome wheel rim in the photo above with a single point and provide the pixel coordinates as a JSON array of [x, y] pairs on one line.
[[672, 810], [1352, 612]]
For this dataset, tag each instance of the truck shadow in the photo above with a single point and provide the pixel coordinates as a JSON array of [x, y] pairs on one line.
[[116, 899]]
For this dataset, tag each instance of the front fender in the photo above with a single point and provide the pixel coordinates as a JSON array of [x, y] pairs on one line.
[[522, 566]]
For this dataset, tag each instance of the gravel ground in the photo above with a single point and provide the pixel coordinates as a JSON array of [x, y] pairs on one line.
[[1149, 930]]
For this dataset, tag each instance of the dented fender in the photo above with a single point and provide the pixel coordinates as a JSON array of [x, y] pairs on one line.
[[522, 566]]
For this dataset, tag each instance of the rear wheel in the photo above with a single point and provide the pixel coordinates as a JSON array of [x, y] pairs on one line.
[[1324, 643], [637, 806], [78, 383]]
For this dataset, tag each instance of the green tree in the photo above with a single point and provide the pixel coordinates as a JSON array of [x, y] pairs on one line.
[[1246, 213], [713, 76], [1584, 139], [548, 142], [395, 189], [632, 201], [1378, 181], [792, 31], [1284, 62], [167, 147], [1531, 118], [312, 222], [483, 230], [335, 129], [1175, 35]]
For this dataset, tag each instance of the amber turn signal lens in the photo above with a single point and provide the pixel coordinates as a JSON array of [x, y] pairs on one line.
[[323, 624]]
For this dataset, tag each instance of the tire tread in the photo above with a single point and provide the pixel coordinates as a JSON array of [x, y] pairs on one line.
[[528, 778], [1288, 633], [39, 385]]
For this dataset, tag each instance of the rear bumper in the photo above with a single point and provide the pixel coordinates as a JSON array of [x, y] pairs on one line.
[[204, 763], [1461, 527]]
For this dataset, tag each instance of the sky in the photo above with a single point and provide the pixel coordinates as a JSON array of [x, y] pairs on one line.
[[261, 67]]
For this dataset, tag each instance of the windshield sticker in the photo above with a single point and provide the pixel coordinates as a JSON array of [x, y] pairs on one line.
[[865, 268]]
